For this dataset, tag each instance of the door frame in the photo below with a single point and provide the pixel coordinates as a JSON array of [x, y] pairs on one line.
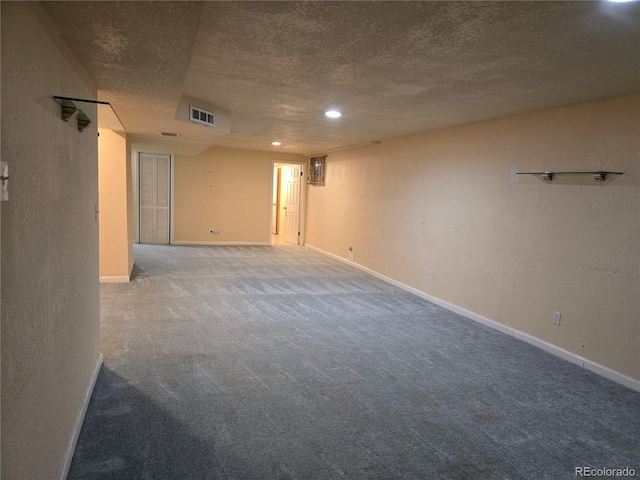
[[302, 212]]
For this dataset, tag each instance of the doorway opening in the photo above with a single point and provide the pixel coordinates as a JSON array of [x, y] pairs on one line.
[[287, 204]]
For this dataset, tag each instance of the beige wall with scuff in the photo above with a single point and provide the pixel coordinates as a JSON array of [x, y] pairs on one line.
[[50, 291], [116, 206], [510, 248], [225, 189]]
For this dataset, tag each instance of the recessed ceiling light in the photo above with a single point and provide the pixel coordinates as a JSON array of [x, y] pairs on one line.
[[276, 144], [333, 113]]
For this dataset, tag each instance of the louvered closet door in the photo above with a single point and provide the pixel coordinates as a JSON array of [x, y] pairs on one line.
[[154, 198]]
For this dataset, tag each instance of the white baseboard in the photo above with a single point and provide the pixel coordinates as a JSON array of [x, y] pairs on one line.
[[198, 242], [121, 279], [530, 339], [79, 421]]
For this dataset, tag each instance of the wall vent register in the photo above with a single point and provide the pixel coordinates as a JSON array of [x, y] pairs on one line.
[[198, 115]]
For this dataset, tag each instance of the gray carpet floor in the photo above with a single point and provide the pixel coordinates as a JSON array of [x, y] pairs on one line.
[[247, 362]]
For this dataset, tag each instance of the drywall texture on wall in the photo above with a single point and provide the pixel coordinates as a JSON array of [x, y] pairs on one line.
[[510, 248], [50, 296], [114, 187], [225, 190]]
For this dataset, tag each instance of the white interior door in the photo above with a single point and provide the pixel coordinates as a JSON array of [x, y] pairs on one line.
[[274, 201], [292, 205], [154, 187]]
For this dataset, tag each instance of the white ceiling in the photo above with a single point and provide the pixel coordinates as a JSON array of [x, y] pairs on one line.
[[393, 68]]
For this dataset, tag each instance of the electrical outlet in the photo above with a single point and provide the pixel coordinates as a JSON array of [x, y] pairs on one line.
[[431, 276], [556, 318], [214, 232], [368, 252]]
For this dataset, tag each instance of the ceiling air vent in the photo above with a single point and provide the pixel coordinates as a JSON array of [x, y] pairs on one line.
[[169, 134], [201, 116]]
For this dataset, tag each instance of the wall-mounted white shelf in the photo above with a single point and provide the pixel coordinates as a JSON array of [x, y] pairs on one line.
[[108, 118], [597, 176]]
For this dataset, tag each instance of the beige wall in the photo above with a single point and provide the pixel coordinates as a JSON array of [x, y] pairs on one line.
[[282, 198], [510, 248], [225, 189], [131, 202], [116, 206], [50, 297]]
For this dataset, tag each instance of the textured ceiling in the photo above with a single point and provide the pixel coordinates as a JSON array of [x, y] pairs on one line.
[[393, 68]]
